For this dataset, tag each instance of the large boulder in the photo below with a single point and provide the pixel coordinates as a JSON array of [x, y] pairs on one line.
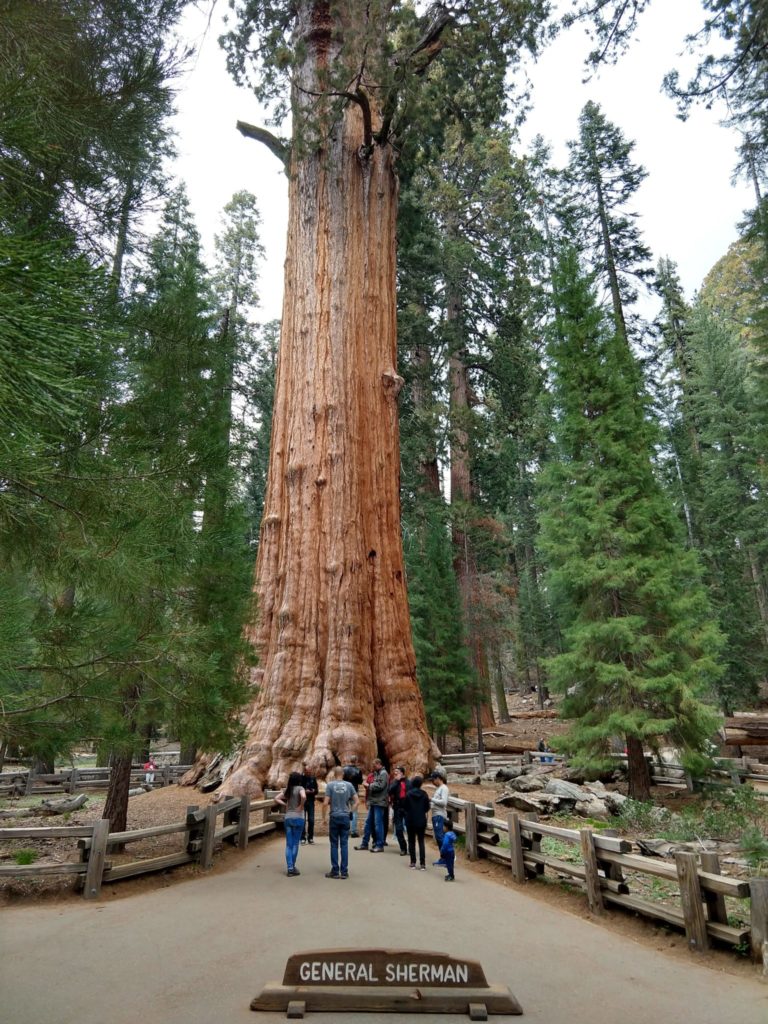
[[508, 772], [531, 803], [592, 808], [566, 790], [614, 801], [528, 783], [581, 775], [597, 787]]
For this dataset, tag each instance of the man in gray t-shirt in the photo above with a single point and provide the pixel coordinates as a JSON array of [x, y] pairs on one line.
[[341, 798]]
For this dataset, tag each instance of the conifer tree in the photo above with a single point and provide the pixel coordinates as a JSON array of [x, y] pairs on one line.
[[640, 647], [728, 503], [442, 663], [602, 181], [85, 91]]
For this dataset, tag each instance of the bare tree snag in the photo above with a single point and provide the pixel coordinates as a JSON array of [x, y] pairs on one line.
[[336, 673]]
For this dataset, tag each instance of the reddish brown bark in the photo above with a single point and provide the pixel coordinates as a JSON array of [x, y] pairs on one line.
[[116, 804], [464, 562], [639, 772], [336, 672]]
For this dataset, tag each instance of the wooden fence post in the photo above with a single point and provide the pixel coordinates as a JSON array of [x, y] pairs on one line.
[[758, 891], [714, 901], [232, 817], [194, 831], [96, 857], [30, 781], [693, 906], [536, 843], [594, 896], [166, 780], [73, 780], [209, 836], [516, 847], [610, 870], [470, 815], [244, 822]]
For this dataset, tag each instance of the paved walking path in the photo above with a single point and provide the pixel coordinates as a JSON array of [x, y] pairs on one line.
[[198, 951]]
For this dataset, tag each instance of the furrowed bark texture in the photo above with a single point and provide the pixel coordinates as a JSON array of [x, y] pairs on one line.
[[336, 672]]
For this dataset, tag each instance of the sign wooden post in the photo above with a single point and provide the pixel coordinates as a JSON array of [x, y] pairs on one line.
[[384, 980]]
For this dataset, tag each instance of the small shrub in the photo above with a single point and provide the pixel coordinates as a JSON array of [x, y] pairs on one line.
[[754, 846], [25, 856], [637, 816]]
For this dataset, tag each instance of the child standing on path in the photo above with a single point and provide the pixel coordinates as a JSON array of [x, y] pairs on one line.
[[447, 850]]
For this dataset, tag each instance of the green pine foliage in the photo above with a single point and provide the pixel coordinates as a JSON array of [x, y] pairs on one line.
[[442, 664], [727, 501], [120, 613], [602, 180], [640, 645]]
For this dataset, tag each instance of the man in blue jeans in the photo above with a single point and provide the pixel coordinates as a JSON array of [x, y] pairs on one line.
[[341, 797], [378, 806]]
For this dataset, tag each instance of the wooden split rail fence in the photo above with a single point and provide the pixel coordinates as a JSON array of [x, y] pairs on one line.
[[201, 831], [604, 868], [70, 780], [737, 770]]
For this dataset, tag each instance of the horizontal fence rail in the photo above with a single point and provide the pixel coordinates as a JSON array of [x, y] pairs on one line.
[[604, 867], [227, 822], [70, 780]]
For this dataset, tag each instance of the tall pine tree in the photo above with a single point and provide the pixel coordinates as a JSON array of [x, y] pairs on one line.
[[640, 646]]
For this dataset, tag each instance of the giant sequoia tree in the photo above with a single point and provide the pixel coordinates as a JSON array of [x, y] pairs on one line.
[[336, 672]]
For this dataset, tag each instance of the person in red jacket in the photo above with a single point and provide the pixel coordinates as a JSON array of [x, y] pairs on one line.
[[397, 791]]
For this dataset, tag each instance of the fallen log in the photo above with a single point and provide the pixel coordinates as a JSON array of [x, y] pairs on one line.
[[506, 745], [754, 726], [64, 806], [46, 808], [750, 737]]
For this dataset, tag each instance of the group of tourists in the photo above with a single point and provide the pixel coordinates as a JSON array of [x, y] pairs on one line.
[[404, 798]]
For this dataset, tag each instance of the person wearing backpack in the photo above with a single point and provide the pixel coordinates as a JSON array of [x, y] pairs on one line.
[[397, 791], [353, 775]]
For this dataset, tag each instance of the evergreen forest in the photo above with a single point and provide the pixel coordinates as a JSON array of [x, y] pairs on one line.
[[584, 447]]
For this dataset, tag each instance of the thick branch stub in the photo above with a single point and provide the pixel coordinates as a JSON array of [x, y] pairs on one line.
[[279, 147], [392, 382]]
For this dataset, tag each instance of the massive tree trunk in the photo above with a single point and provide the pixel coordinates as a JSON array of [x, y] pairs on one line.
[[638, 770], [464, 561], [116, 804], [336, 673]]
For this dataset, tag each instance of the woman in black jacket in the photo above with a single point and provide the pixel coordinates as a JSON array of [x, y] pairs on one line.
[[416, 806]]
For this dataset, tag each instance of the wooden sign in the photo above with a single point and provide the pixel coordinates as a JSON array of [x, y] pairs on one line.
[[382, 967], [376, 980]]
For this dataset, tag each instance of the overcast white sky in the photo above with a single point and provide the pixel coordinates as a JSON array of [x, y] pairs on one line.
[[689, 210]]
